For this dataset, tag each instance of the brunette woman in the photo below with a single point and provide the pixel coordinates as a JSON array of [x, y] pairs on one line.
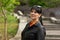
[[34, 30]]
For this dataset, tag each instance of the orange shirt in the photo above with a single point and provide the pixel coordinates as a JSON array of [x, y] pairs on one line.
[[32, 22]]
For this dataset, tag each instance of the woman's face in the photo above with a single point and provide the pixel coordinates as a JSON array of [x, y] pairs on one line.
[[34, 14]]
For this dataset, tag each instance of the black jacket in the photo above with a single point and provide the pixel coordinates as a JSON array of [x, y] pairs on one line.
[[36, 32]]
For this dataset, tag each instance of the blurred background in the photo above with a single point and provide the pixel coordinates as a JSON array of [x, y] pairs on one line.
[[14, 14]]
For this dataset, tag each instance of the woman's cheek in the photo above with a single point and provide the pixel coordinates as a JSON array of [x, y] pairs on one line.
[[36, 16]]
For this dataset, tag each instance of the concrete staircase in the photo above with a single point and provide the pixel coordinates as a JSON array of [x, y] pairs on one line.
[[52, 30]]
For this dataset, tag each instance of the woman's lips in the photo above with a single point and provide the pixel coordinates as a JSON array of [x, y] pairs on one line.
[[32, 15]]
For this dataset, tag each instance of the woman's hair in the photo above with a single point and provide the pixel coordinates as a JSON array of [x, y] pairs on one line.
[[37, 8], [39, 11]]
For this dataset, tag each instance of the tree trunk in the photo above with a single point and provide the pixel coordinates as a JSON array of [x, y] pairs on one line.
[[5, 24]]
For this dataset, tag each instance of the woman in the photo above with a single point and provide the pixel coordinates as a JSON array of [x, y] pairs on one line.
[[34, 29]]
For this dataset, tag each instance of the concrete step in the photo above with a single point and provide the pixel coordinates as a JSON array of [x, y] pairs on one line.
[[52, 35], [47, 22], [52, 27], [52, 38]]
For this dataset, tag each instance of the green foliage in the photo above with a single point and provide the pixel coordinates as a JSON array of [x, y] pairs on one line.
[[12, 25], [12, 30], [6, 8], [10, 18], [9, 4], [37, 2], [1, 19], [45, 3]]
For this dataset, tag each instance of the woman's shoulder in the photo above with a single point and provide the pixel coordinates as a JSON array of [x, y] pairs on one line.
[[38, 24]]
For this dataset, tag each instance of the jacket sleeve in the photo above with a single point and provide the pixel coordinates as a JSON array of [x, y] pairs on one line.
[[40, 34]]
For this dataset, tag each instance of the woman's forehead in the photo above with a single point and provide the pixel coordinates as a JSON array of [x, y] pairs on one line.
[[33, 10]]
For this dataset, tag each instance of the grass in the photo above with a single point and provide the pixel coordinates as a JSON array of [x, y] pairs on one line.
[[12, 25]]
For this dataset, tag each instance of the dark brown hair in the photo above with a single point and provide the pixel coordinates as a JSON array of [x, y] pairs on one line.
[[38, 10]]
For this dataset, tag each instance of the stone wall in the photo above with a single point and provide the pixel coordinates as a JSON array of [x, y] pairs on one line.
[[46, 12]]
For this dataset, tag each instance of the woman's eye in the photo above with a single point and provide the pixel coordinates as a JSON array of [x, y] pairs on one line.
[[35, 12], [31, 11]]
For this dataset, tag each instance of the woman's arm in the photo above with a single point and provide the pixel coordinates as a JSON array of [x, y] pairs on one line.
[[40, 34]]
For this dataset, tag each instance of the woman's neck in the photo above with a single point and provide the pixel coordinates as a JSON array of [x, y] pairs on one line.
[[33, 22]]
